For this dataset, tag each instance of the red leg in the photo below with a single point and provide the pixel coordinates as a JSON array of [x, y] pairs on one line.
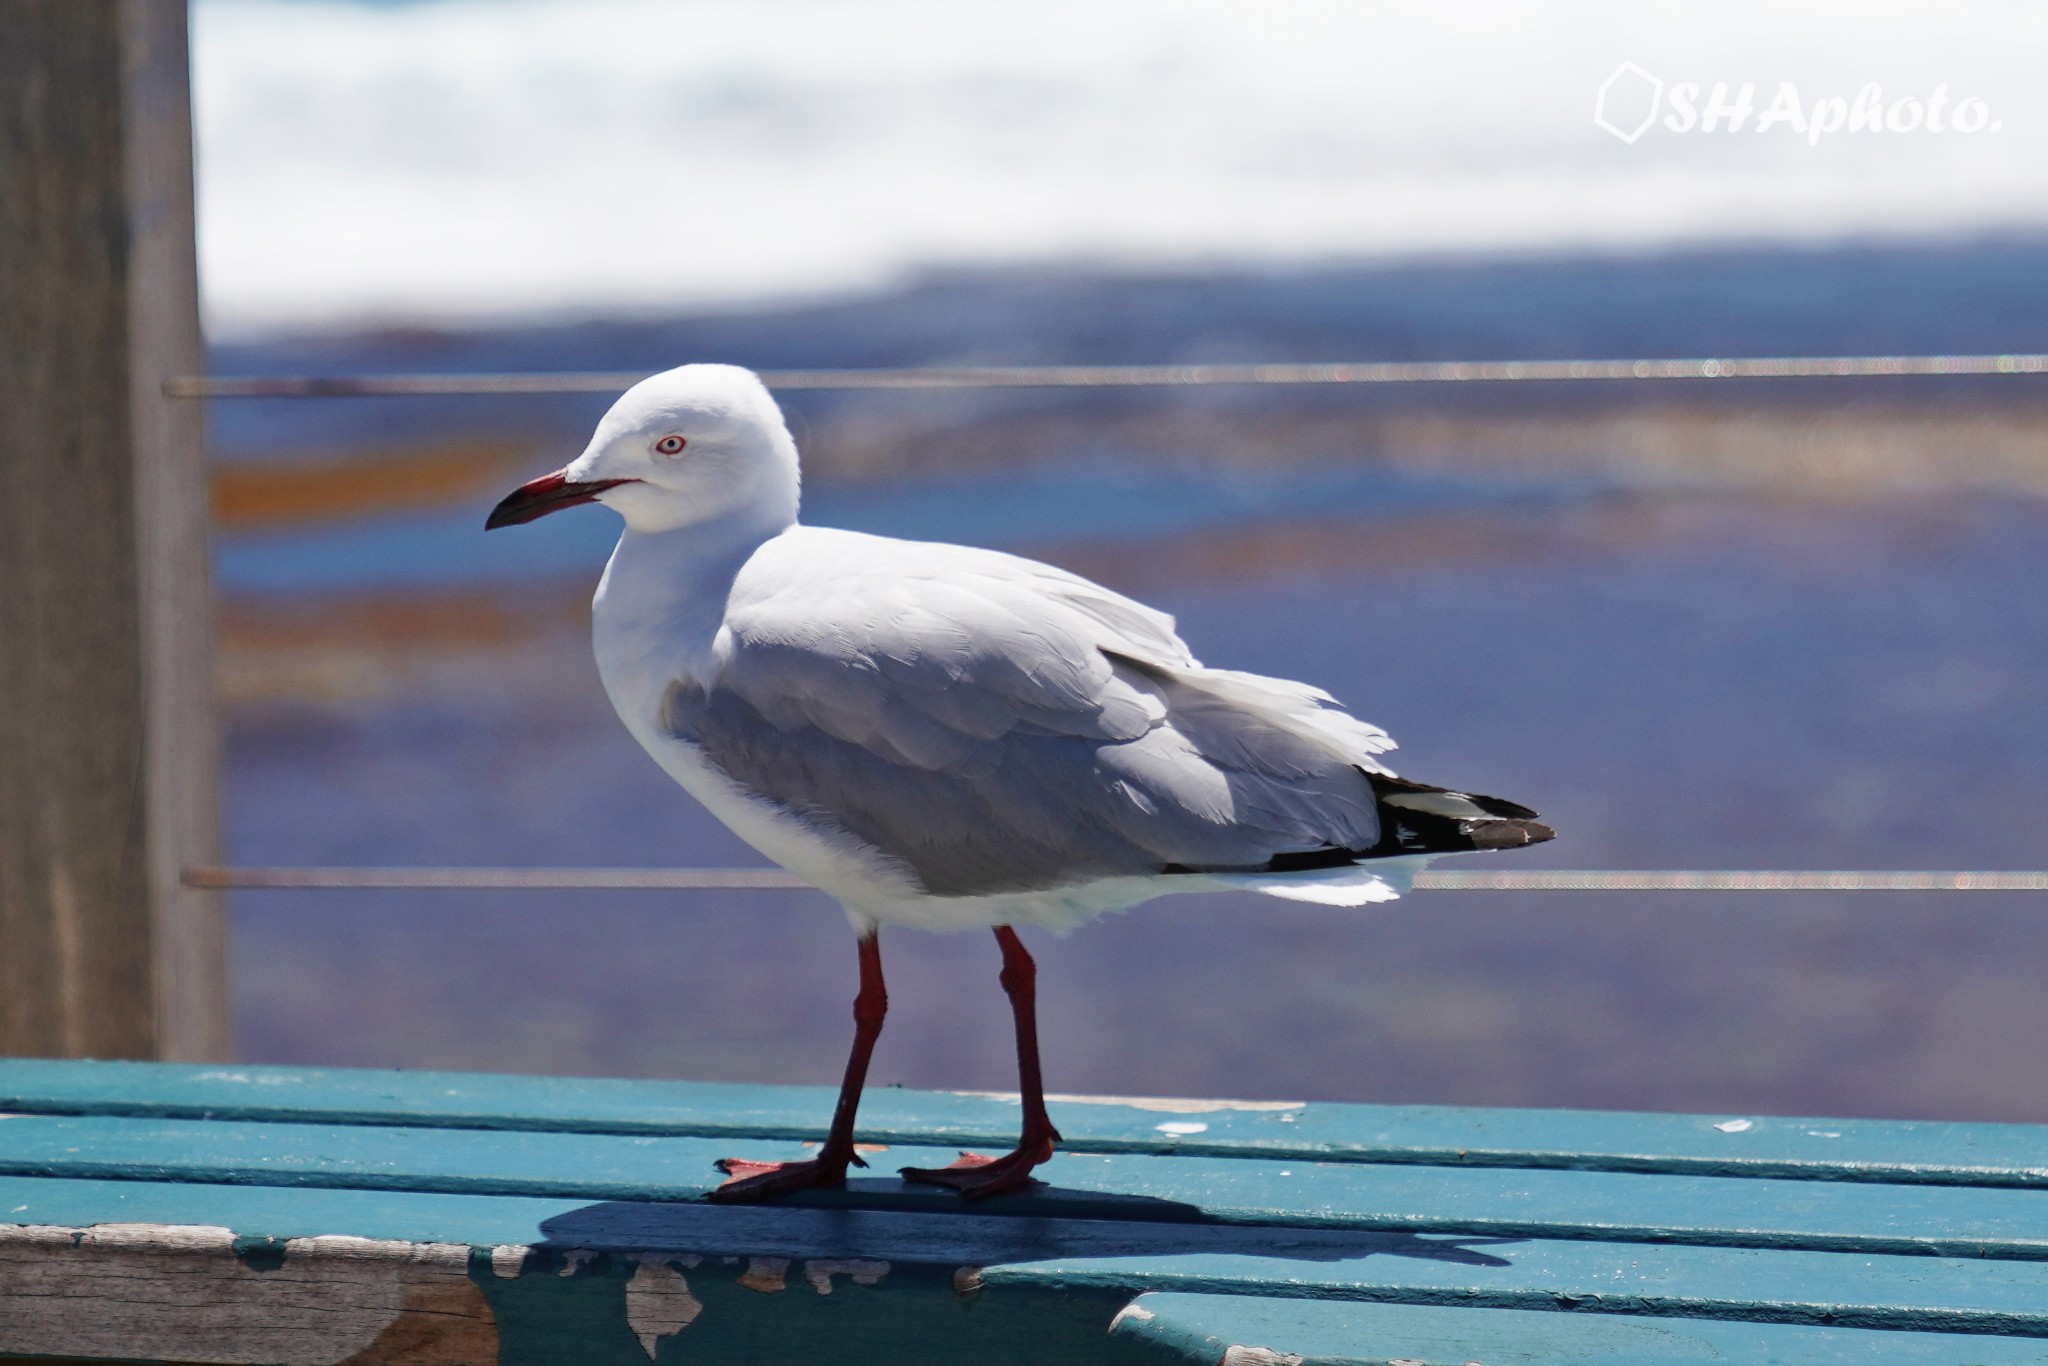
[[975, 1176], [764, 1180]]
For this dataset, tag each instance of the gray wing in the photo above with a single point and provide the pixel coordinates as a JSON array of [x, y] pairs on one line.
[[998, 726]]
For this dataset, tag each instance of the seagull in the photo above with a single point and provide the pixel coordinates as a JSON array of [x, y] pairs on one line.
[[950, 738]]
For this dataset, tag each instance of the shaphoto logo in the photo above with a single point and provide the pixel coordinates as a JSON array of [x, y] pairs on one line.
[[1631, 100]]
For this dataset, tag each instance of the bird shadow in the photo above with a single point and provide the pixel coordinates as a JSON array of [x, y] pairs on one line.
[[1042, 1224]]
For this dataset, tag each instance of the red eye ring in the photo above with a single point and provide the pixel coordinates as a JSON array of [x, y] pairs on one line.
[[671, 445]]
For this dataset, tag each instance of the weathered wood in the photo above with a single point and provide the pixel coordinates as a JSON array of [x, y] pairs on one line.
[[1311, 1196], [1240, 1330], [166, 1292], [998, 1260], [1888, 1151], [530, 1237], [107, 733], [187, 1293]]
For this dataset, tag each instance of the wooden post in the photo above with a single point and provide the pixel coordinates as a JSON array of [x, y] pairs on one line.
[[108, 740]]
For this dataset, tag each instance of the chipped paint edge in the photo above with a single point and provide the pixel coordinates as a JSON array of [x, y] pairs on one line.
[[819, 1271], [161, 1238], [1258, 1356], [659, 1301], [214, 1299], [766, 1275], [215, 1239]]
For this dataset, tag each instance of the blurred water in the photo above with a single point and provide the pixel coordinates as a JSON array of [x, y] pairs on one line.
[[500, 158], [1852, 675], [1676, 682], [1745, 679], [442, 548]]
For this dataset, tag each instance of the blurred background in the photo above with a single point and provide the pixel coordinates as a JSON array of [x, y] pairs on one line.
[[1728, 625]]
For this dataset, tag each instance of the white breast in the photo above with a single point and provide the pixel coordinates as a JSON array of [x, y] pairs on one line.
[[655, 623]]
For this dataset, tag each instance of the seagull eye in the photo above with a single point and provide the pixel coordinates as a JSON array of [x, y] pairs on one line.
[[671, 445]]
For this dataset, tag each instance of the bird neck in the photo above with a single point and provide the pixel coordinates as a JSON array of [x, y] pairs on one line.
[[663, 596]]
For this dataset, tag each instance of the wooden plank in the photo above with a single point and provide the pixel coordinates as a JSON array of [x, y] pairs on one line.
[[1763, 1146], [172, 1292], [173, 516], [1747, 1284], [1323, 1197], [620, 1210], [186, 1293], [1238, 1330], [998, 1257], [107, 736]]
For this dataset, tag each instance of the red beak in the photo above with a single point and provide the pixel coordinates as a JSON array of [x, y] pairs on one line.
[[549, 493]]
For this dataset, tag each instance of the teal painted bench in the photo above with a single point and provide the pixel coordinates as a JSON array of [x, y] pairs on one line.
[[276, 1215]]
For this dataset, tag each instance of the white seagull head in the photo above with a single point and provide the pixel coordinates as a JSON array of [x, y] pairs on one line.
[[681, 448]]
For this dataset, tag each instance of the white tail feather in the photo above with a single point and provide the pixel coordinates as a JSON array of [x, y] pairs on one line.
[[1357, 884]]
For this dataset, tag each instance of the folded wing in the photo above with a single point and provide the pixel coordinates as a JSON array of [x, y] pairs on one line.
[[999, 726]]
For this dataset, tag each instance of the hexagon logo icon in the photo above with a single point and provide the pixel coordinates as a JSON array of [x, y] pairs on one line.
[[1627, 91]]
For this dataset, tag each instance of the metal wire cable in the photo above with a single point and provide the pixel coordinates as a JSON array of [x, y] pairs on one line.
[[1132, 376], [774, 879], [1117, 376]]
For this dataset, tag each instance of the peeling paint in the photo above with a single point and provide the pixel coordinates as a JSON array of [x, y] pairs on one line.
[[766, 1274], [1736, 1126], [261, 1254], [33, 1234], [199, 1293], [348, 1247], [1178, 1128], [1134, 1312], [153, 1238], [658, 1301], [967, 1280], [574, 1260], [508, 1260], [1259, 1356], [820, 1271]]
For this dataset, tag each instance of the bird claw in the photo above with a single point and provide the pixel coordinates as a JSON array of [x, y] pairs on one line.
[[748, 1181], [976, 1177]]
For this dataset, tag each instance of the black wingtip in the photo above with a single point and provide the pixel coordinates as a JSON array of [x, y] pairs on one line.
[[1415, 818], [1418, 818], [1508, 834]]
